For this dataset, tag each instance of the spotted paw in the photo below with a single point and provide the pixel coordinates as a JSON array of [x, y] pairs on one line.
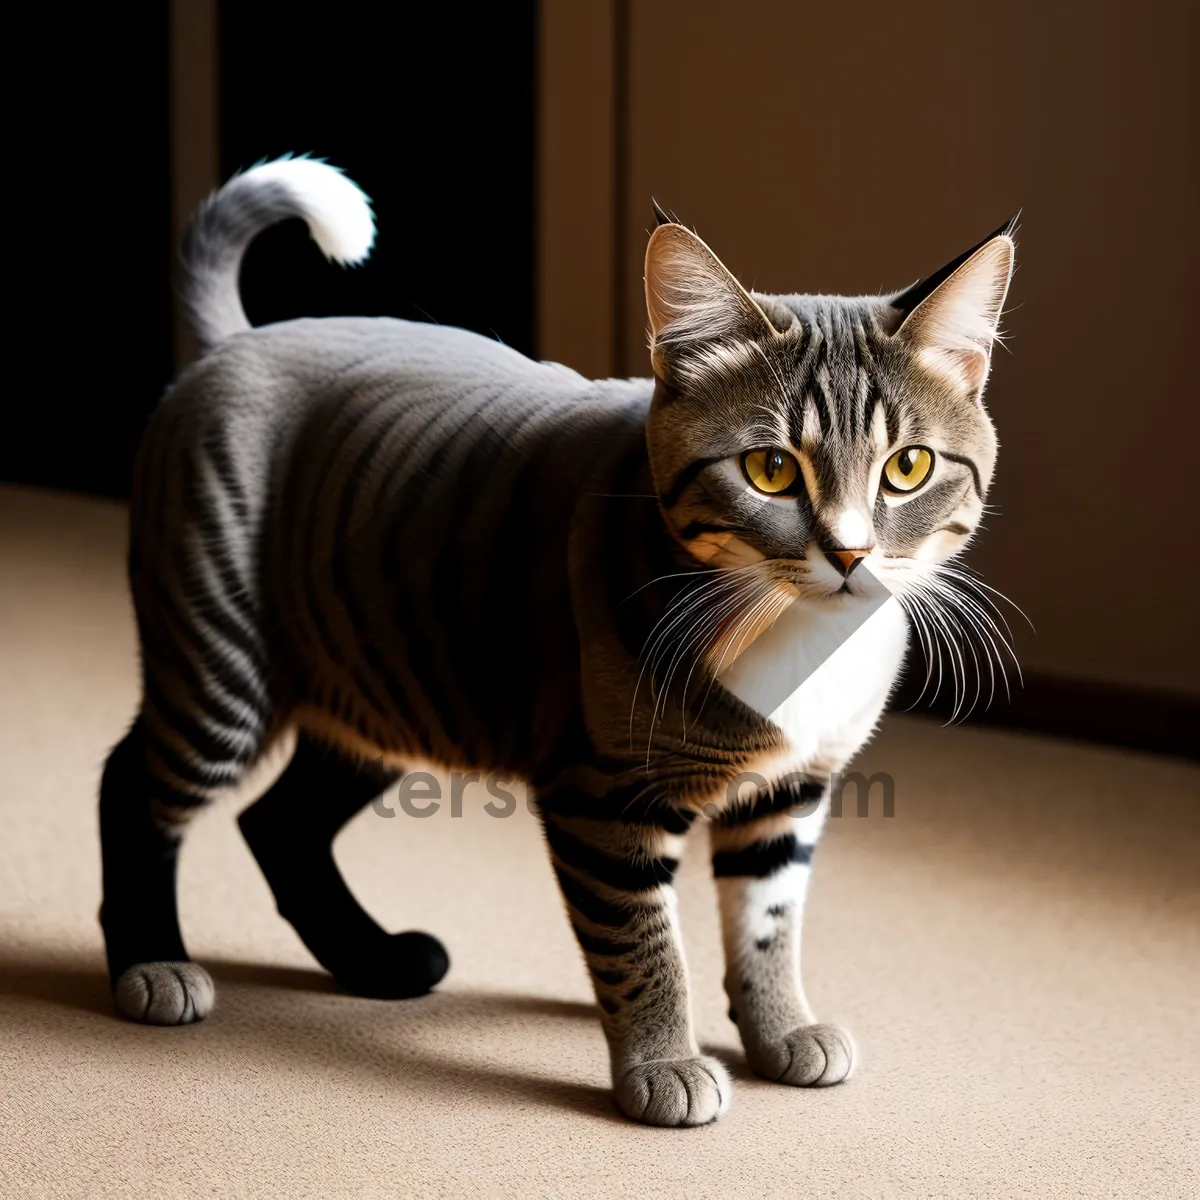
[[673, 1092], [165, 993], [811, 1056]]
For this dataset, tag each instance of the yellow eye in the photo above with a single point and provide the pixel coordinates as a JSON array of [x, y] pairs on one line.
[[907, 469], [771, 470]]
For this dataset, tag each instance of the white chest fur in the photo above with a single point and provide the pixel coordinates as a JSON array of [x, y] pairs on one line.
[[822, 676]]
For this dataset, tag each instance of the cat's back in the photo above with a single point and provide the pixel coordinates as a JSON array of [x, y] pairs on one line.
[[288, 408], [278, 378], [315, 350]]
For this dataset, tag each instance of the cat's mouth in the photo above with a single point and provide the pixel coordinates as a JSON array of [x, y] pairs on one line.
[[820, 592], [817, 583]]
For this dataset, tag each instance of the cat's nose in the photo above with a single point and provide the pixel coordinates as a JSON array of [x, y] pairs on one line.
[[844, 561]]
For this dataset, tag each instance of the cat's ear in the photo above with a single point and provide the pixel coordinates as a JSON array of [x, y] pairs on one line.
[[692, 299], [951, 318]]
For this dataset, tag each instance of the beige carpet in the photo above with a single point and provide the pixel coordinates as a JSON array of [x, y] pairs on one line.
[[1017, 950]]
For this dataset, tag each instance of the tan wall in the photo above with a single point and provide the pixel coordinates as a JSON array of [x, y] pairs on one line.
[[577, 263], [855, 147]]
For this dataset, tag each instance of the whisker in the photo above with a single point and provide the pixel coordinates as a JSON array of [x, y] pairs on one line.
[[934, 632], [985, 609], [695, 572], [986, 626], [697, 631], [973, 581], [680, 624], [978, 625], [749, 617], [990, 649], [913, 611], [958, 666], [741, 620]]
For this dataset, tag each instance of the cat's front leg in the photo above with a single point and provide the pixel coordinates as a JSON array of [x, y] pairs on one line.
[[761, 856], [616, 875]]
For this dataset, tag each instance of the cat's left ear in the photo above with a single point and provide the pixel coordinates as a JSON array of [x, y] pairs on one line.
[[951, 318], [693, 300]]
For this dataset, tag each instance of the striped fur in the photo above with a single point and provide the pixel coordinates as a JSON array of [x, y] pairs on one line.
[[410, 542]]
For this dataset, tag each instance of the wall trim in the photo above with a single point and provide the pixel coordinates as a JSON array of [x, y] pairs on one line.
[[1110, 714]]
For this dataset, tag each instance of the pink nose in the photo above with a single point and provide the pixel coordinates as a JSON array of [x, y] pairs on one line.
[[844, 561]]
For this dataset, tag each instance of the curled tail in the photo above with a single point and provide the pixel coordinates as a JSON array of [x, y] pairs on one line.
[[336, 210]]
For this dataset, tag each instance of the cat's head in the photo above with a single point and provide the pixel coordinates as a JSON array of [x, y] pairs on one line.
[[817, 435]]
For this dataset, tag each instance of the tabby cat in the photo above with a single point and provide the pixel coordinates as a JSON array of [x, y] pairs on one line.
[[408, 542]]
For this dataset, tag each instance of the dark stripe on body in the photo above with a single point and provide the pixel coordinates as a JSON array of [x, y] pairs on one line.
[[767, 804], [317, 497], [586, 902], [219, 767], [164, 794], [593, 943], [418, 536], [626, 875], [172, 650], [623, 804], [371, 684], [761, 859], [217, 449]]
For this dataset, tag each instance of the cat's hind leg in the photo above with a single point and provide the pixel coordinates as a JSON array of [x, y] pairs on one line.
[[143, 816], [208, 705], [290, 831]]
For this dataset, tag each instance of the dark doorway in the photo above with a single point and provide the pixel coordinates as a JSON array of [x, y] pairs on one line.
[[94, 326], [433, 117]]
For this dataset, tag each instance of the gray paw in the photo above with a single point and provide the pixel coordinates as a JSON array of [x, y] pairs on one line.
[[811, 1056], [165, 993], [677, 1091]]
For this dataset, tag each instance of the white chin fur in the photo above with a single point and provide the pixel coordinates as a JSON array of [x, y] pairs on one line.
[[337, 210]]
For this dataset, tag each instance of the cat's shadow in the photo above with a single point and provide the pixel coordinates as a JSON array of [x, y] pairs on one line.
[[367, 1037]]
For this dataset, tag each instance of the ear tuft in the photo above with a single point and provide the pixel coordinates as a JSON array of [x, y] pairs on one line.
[[661, 217], [951, 319]]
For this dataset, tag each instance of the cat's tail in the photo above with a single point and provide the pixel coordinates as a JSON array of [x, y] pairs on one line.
[[336, 210]]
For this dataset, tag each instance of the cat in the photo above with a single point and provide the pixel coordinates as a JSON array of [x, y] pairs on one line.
[[409, 542]]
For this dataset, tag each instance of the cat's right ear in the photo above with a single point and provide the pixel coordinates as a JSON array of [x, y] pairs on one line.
[[693, 300]]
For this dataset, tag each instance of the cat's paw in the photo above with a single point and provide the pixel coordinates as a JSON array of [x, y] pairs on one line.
[[675, 1091], [811, 1056], [394, 966], [165, 993]]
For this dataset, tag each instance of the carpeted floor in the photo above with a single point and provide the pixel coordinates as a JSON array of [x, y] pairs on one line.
[[1017, 950]]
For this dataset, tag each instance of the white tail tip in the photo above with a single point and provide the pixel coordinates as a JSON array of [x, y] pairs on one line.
[[337, 210]]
